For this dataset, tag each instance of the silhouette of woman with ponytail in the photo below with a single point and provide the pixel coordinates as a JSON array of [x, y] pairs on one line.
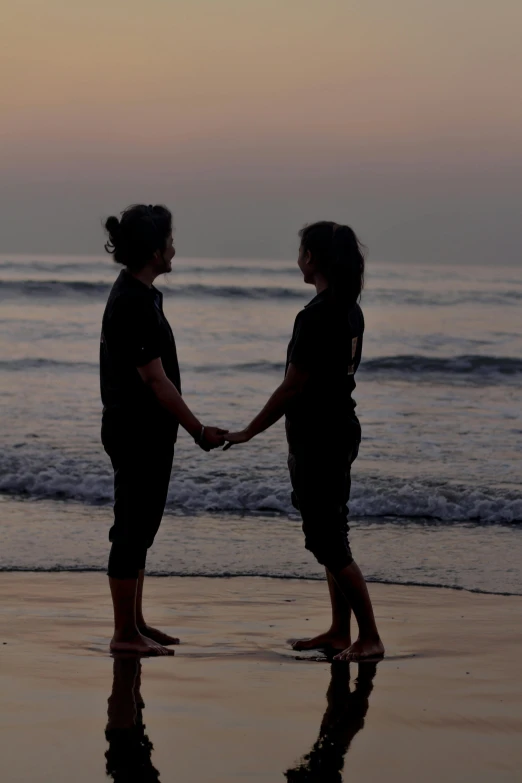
[[322, 429]]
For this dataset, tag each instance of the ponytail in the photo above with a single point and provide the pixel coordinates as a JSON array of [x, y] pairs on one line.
[[339, 255], [347, 268]]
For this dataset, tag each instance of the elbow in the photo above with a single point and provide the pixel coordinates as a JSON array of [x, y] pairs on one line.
[[293, 389], [154, 384]]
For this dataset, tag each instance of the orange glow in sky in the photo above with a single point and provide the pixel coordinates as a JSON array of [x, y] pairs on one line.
[[256, 91]]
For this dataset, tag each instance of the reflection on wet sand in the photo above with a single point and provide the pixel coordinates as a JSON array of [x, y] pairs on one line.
[[344, 717], [128, 759]]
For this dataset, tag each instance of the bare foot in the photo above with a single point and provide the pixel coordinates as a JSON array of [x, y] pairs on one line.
[[138, 645], [329, 640], [362, 650], [156, 635]]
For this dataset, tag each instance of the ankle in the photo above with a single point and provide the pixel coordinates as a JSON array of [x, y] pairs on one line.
[[369, 636], [125, 633], [339, 629]]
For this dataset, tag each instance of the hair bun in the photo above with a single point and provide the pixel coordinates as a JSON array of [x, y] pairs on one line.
[[112, 226]]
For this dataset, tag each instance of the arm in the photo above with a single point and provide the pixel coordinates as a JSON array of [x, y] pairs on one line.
[[277, 404], [153, 375]]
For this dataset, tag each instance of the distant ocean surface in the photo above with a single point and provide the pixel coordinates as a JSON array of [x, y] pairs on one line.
[[437, 489]]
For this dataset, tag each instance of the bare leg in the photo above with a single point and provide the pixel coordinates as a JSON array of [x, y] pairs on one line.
[[338, 636], [368, 644], [127, 638], [147, 630]]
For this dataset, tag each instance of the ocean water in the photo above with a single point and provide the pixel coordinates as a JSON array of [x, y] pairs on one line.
[[437, 491]]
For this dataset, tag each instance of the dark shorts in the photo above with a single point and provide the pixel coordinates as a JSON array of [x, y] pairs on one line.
[[321, 483], [142, 467]]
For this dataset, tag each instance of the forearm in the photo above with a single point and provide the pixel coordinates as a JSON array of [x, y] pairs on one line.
[[169, 397], [272, 411]]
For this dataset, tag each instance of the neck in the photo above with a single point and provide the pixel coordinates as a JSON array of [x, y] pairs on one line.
[[320, 282], [147, 275]]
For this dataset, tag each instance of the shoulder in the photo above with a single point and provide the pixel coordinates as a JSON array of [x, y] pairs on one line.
[[313, 312], [304, 323], [300, 317], [129, 306], [317, 316], [309, 325]]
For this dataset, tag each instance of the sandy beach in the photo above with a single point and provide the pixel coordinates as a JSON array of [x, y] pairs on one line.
[[235, 703]]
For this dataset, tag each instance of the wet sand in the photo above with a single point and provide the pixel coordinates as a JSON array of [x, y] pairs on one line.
[[237, 704]]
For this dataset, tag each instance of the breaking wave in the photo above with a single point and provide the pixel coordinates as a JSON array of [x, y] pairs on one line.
[[29, 473]]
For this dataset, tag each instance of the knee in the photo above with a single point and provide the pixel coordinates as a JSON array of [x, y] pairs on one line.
[[126, 560], [333, 555], [329, 542]]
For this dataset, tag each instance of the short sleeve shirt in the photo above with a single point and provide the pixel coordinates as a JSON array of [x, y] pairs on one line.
[[326, 343], [134, 332]]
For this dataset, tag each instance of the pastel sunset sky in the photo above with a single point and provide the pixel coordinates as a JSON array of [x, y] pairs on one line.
[[251, 117]]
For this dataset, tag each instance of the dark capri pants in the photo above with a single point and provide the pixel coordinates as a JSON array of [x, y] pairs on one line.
[[142, 464], [321, 483]]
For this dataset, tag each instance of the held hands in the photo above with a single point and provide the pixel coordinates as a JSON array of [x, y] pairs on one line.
[[211, 438], [236, 437]]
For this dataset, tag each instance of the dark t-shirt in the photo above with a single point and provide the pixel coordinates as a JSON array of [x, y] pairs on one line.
[[134, 332], [327, 343]]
